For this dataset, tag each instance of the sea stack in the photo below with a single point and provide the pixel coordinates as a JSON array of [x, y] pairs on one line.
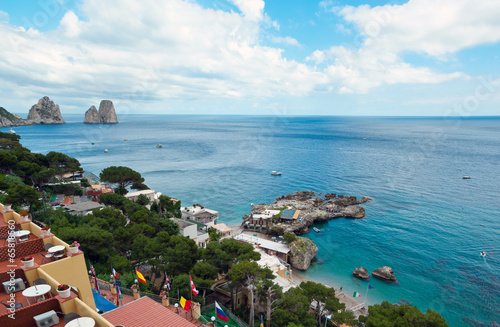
[[91, 116], [106, 114], [45, 112]]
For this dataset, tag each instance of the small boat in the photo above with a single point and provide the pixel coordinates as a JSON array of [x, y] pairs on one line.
[[106, 150], [276, 173], [316, 230], [12, 131], [125, 140], [483, 254], [466, 177], [159, 145]]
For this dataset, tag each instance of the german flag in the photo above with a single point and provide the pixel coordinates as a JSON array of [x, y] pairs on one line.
[[140, 277]]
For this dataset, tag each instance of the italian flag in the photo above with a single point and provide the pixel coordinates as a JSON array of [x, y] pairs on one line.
[[356, 294]]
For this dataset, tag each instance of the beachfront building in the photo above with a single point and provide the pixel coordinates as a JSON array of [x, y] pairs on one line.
[[197, 232], [150, 194], [281, 270], [223, 229], [261, 219], [199, 214], [279, 250], [290, 215]]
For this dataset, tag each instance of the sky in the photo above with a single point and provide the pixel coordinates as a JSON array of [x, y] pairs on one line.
[[254, 57]]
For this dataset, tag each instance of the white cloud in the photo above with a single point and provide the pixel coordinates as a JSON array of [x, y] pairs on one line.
[[251, 9], [433, 28], [4, 16], [154, 51], [286, 40]]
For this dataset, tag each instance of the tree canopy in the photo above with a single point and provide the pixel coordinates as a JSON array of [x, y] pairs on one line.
[[388, 315], [122, 176]]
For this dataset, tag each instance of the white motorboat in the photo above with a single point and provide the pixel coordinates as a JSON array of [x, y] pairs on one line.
[[316, 230], [106, 150], [159, 145], [276, 173], [12, 131], [466, 177], [483, 254]]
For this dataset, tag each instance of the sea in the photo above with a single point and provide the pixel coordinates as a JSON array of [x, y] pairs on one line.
[[425, 221]]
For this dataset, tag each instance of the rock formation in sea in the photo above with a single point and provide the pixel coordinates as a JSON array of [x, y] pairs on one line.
[[361, 272], [91, 116], [384, 273], [45, 112], [106, 114], [313, 209], [302, 251]]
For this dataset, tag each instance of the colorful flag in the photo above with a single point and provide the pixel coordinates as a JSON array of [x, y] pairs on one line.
[[370, 287], [95, 276], [193, 288], [113, 271], [140, 277], [185, 304], [120, 295], [356, 294], [167, 282], [261, 321], [220, 314]]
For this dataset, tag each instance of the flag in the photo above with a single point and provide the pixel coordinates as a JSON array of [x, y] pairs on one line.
[[185, 304], [167, 282], [140, 277], [261, 321], [113, 271], [193, 288], [95, 277], [370, 287], [356, 294], [220, 314], [120, 295]]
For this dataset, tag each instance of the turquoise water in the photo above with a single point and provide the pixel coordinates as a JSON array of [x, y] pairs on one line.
[[425, 222]]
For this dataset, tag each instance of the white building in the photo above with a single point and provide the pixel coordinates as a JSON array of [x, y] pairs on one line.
[[200, 214], [193, 231], [151, 194]]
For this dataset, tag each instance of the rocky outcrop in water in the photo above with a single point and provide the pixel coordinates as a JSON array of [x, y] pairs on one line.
[[313, 209], [302, 251], [45, 112], [384, 273], [91, 116], [106, 114], [361, 273]]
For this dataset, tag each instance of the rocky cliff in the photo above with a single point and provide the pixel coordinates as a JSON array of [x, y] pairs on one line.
[[106, 114], [91, 116], [45, 112], [8, 120], [302, 251]]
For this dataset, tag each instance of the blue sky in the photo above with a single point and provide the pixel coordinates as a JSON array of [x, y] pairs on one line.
[[418, 57]]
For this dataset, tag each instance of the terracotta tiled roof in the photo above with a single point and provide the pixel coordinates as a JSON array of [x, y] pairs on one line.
[[145, 312]]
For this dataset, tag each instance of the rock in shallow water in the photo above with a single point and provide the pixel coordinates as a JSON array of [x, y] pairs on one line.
[[361, 272], [384, 273]]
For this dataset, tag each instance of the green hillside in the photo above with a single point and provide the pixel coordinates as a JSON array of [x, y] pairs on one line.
[[8, 115]]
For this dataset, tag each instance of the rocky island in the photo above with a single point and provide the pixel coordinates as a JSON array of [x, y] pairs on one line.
[[308, 208], [45, 112], [105, 115]]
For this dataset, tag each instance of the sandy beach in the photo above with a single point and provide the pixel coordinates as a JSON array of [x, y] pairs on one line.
[[298, 278]]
